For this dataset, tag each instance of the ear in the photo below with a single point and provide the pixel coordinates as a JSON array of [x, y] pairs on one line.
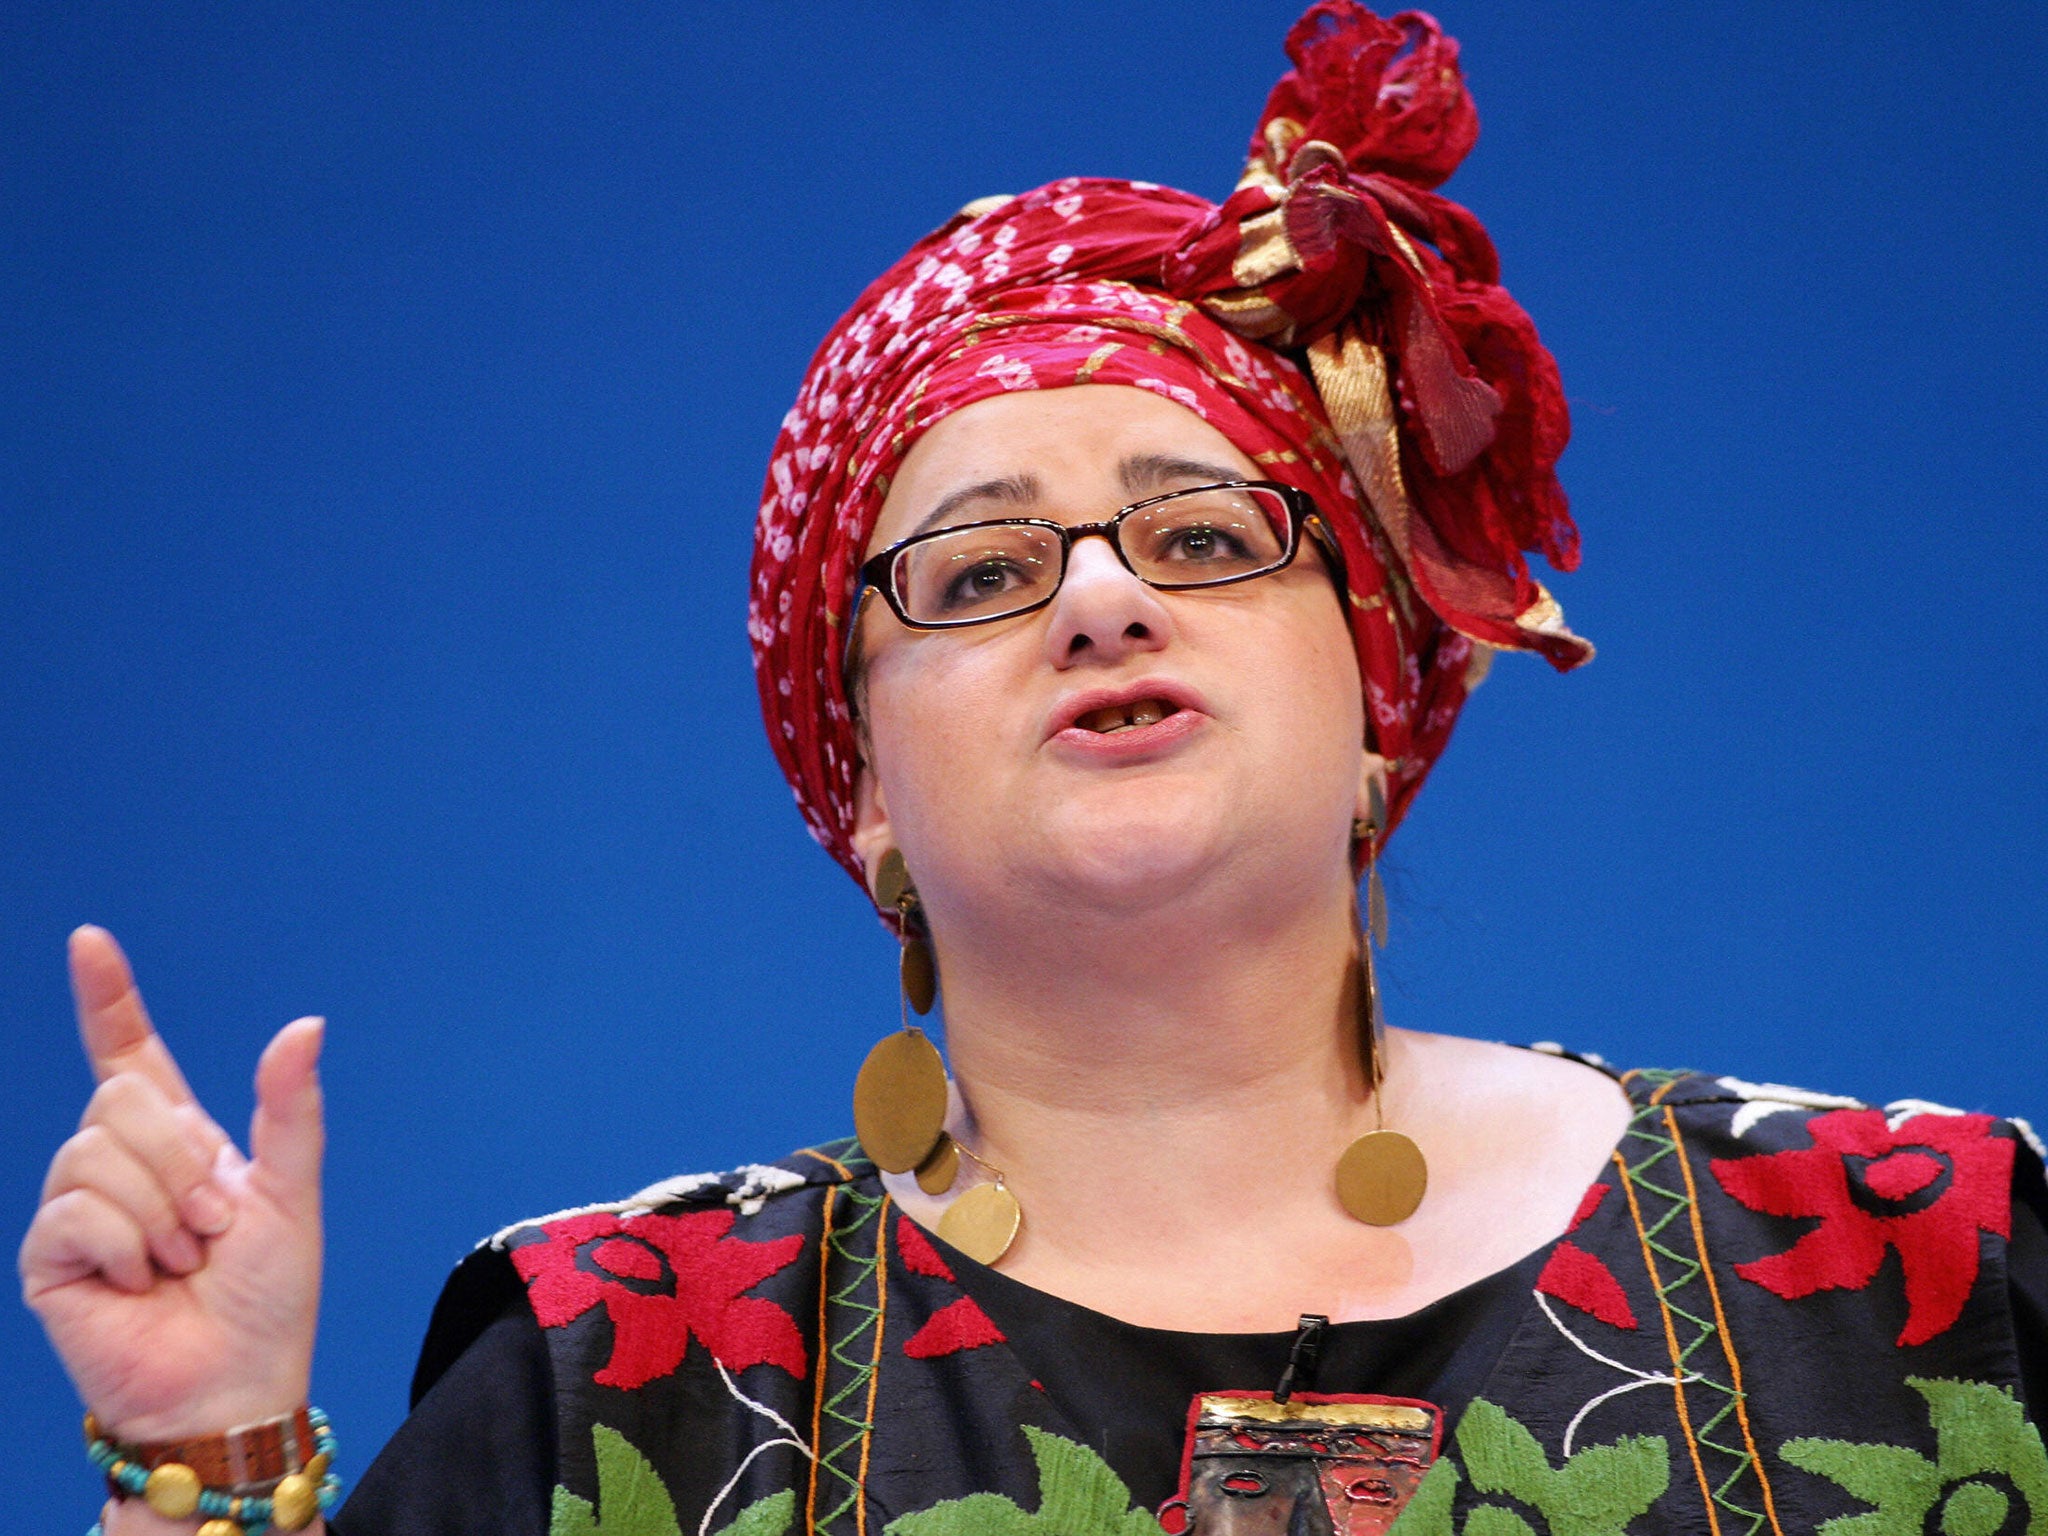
[[1371, 767], [873, 835]]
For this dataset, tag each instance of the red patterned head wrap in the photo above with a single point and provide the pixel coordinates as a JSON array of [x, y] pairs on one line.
[[1336, 319]]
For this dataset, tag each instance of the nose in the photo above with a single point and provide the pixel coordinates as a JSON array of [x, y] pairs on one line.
[[1102, 613]]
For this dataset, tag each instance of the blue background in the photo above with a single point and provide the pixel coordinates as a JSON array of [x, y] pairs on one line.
[[386, 392]]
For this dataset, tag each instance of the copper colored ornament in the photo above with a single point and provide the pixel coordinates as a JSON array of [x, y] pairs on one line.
[[920, 976], [936, 1173], [891, 880], [983, 1222], [1339, 1464], [899, 1101], [1381, 1178], [1372, 1020], [1375, 888]]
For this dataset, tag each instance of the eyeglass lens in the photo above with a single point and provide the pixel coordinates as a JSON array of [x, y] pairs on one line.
[[1196, 538]]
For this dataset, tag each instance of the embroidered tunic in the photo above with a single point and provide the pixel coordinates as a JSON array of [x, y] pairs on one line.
[[1773, 1311]]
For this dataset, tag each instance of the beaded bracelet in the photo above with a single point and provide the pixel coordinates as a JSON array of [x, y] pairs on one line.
[[174, 1490]]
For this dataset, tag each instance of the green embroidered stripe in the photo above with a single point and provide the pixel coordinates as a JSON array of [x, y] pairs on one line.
[[1650, 1156], [853, 1321]]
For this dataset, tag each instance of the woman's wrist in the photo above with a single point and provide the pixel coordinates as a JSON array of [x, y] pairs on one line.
[[276, 1473], [210, 1414], [132, 1517]]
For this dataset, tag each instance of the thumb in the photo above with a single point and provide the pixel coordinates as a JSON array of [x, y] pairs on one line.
[[288, 1135]]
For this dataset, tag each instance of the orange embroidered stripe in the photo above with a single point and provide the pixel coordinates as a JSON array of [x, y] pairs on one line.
[[1635, 1211], [867, 1438], [818, 1399], [1699, 1237], [829, 1161]]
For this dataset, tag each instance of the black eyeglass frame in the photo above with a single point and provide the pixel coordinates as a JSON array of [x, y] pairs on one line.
[[877, 573]]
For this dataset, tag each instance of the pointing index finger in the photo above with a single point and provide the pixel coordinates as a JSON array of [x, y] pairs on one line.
[[112, 1022]]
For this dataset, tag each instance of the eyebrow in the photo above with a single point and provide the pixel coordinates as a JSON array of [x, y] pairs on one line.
[[1019, 490], [1145, 472], [1140, 474]]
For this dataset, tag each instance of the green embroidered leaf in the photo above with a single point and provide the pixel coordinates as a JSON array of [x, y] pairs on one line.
[[979, 1514], [1077, 1491], [1975, 1509], [1492, 1520], [1979, 1429], [1595, 1493], [1605, 1486], [571, 1516], [631, 1500], [1982, 1428], [1078, 1495], [1902, 1483], [635, 1503], [1500, 1455], [1429, 1509], [771, 1516]]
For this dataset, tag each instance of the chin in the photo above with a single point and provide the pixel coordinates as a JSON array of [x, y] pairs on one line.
[[1135, 856]]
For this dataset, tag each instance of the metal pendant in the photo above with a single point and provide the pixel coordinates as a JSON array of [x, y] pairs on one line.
[[892, 879], [1375, 890], [1372, 1019], [899, 1101], [983, 1222], [936, 1173], [1341, 1465], [920, 976], [1381, 1178]]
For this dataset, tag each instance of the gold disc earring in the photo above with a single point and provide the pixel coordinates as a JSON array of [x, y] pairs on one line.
[[899, 1098], [1382, 1176], [983, 1222]]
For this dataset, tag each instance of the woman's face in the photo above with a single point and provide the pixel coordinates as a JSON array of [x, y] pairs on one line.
[[991, 761]]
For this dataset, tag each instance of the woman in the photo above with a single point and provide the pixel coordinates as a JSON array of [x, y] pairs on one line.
[[1120, 574]]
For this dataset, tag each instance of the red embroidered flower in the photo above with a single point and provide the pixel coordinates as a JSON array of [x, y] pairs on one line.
[[1582, 1279], [1926, 1189], [661, 1279], [958, 1325], [919, 1256]]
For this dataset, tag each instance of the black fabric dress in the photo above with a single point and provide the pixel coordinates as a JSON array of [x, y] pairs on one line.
[[1772, 1313]]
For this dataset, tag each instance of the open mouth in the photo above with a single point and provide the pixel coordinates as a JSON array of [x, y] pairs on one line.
[[1123, 717]]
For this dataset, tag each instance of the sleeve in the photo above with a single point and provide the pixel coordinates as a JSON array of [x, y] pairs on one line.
[[2026, 1267], [476, 1457]]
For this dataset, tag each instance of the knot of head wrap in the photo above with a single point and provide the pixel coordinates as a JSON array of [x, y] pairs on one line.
[[1335, 318], [1333, 245]]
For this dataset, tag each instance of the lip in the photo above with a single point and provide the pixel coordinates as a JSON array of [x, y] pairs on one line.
[[1190, 712]]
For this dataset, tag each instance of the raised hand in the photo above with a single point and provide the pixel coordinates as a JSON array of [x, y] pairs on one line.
[[177, 1279]]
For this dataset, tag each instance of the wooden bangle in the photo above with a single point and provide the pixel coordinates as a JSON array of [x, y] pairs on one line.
[[251, 1456]]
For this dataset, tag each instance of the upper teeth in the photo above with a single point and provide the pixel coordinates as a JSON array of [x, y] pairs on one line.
[[1120, 717]]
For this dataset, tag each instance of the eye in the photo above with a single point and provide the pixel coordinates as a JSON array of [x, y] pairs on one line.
[[1212, 533], [977, 571], [1243, 1485], [1199, 543], [976, 583]]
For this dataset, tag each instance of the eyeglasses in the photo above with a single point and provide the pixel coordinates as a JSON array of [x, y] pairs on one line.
[[1207, 536]]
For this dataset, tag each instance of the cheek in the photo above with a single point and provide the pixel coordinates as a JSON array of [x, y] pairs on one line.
[[1306, 665], [941, 720]]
